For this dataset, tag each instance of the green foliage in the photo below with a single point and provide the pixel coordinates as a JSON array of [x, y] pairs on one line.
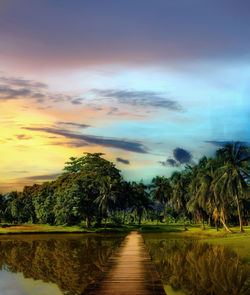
[[215, 190]]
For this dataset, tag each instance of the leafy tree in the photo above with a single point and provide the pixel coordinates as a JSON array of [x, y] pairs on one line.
[[234, 174], [180, 182], [95, 177], [44, 202], [142, 202], [162, 191]]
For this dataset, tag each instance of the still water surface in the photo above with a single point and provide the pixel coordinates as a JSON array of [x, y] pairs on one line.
[[65, 264], [53, 264], [192, 266]]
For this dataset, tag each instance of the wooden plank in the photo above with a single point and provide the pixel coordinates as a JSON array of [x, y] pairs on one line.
[[130, 271]]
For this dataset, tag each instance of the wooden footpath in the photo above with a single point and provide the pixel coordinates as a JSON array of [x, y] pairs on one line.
[[130, 271]]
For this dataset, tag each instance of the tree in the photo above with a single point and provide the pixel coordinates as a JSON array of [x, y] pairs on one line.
[[162, 191], [107, 196], [94, 175], [142, 202], [234, 174], [180, 181], [44, 202]]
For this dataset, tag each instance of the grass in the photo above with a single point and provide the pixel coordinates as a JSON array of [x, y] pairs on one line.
[[192, 230], [239, 242], [6, 229]]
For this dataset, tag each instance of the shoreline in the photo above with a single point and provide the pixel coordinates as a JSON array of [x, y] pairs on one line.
[[193, 230]]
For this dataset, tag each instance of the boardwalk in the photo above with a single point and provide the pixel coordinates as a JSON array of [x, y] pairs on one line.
[[129, 271]]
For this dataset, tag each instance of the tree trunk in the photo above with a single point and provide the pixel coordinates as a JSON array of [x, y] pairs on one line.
[[209, 220], [225, 226], [87, 221], [165, 214], [140, 216], [183, 216], [124, 217], [239, 214], [105, 222], [216, 225], [203, 226]]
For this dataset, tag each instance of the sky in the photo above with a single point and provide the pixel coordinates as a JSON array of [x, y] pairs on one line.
[[154, 85]]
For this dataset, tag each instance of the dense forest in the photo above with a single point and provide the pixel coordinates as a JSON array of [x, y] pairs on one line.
[[215, 191]]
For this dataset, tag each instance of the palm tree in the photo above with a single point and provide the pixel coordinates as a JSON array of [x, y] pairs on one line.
[[107, 197], [142, 202], [197, 202], [162, 191], [206, 197], [234, 173], [180, 192]]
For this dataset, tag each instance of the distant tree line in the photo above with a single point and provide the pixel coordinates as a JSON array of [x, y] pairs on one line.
[[215, 191]]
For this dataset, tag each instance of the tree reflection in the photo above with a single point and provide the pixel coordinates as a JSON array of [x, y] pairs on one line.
[[71, 263], [199, 268]]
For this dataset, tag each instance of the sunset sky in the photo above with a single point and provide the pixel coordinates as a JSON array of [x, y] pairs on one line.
[[153, 84]]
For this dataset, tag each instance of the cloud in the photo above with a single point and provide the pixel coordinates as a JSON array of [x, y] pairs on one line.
[[76, 101], [7, 92], [138, 98], [20, 82], [132, 146], [23, 137], [74, 124], [170, 162], [123, 161], [217, 143], [74, 144], [18, 88], [181, 156], [42, 177]]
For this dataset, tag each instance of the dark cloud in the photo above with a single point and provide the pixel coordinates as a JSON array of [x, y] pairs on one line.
[[182, 156], [112, 111], [218, 143], [15, 88], [74, 124], [170, 162], [18, 88], [123, 161], [20, 82], [132, 146], [23, 137], [223, 143], [76, 101], [42, 177], [137, 98], [74, 144], [6, 92]]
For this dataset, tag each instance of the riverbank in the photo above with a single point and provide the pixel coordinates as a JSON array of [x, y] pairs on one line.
[[192, 230]]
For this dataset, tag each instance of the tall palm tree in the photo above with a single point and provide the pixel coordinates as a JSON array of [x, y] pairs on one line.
[[197, 201], [142, 202], [107, 198], [180, 182], [233, 175], [162, 191], [205, 194]]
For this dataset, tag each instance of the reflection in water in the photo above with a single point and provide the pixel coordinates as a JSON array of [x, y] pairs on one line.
[[198, 268], [69, 261]]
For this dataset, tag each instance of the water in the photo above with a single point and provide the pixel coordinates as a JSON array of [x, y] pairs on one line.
[[53, 264], [189, 266], [65, 264]]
